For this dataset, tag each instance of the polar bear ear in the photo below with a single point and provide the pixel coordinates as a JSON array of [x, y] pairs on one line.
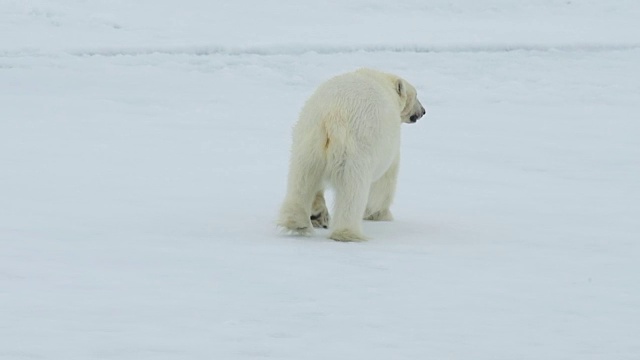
[[400, 88]]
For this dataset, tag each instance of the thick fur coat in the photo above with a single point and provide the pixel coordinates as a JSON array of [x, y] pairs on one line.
[[348, 137]]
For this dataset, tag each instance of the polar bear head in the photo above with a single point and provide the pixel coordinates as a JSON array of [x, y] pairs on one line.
[[412, 109]]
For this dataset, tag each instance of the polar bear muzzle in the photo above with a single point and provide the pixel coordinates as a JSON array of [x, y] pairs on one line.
[[413, 118]]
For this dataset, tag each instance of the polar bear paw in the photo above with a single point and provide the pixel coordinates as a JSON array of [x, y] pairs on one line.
[[320, 220], [346, 235], [296, 229], [319, 212], [382, 215], [293, 220]]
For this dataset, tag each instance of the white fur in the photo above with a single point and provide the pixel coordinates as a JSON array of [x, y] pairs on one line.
[[348, 136]]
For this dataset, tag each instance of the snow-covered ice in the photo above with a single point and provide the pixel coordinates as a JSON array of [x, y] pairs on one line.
[[143, 157]]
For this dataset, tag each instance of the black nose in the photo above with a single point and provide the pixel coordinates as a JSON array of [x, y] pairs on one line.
[[423, 111]]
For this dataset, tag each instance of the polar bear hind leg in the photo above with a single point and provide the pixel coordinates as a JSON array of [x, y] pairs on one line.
[[304, 184], [352, 190]]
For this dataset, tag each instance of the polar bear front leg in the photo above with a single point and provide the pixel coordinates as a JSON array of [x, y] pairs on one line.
[[381, 195], [319, 213]]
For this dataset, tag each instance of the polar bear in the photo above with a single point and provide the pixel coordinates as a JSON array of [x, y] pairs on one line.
[[348, 137]]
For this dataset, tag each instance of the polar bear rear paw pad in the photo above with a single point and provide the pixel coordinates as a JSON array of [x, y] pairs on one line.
[[320, 220]]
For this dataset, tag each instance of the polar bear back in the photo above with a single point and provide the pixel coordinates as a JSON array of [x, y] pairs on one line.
[[354, 115]]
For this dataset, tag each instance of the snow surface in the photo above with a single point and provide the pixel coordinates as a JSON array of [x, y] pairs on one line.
[[144, 148]]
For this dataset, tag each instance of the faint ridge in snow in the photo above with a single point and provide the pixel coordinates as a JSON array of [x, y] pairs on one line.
[[298, 49]]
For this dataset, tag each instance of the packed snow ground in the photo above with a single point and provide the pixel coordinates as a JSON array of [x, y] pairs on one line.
[[143, 156]]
